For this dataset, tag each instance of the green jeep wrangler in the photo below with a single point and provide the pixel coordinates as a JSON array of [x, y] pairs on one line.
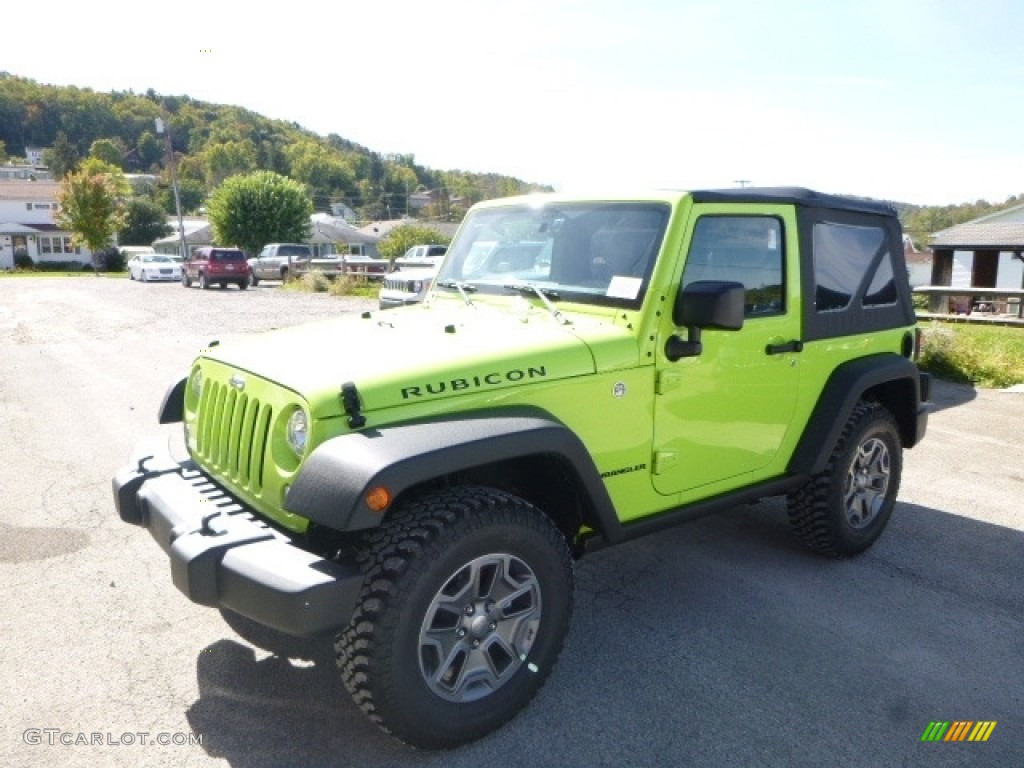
[[583, 372]]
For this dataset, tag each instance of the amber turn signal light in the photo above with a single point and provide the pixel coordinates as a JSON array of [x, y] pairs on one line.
[[378, 499]]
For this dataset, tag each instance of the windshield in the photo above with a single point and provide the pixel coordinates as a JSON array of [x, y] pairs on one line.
[[598, 253]]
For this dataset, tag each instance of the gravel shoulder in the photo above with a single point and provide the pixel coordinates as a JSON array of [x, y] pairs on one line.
[[717, 643]]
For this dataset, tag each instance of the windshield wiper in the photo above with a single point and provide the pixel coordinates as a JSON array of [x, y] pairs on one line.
[[544, 295], [462, 288]]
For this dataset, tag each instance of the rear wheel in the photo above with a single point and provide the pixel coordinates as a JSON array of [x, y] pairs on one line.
[[463, 613], [844, 509], [243, 284]]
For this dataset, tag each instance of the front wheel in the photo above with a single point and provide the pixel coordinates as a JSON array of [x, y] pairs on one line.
[[844, 509], [464, 609], [186, 280], [204, 284]]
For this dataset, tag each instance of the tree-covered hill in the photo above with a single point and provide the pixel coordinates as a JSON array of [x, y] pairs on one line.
[[212, 142]]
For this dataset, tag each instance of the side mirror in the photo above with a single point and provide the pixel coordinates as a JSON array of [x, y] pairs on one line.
[[704, 304]]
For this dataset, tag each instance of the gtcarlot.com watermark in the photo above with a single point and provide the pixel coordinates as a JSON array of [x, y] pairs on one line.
[[59, 737]]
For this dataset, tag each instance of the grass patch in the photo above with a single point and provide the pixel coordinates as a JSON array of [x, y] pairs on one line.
[[316, 281], [81, 272], [989, 356]]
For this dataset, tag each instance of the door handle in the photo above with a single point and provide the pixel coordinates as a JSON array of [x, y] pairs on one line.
[[787, 346]]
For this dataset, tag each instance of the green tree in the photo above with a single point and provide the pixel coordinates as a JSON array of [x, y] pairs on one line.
[[110, 151], [145, 221], [400, 239], [150, 149], [3, 151], [91, 208], [62, 158], [229, 158], [190, 192], [259, 208]]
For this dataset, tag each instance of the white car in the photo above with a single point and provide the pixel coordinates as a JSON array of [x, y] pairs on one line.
[[154, 266]]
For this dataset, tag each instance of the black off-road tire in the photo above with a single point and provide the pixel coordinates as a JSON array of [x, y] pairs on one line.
[[844, 509], [464, 609], [186, 280], [243, 284], [204, 284]]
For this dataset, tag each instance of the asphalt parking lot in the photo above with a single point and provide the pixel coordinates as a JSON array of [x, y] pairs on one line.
[[717, 643]]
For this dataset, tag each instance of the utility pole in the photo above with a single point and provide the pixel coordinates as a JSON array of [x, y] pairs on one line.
[[160, 125]]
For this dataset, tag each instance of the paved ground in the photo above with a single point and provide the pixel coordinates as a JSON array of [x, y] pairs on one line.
[[717, 643]]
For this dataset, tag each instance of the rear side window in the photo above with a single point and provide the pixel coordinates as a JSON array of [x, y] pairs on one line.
[[852, 261], [227, 256], [293, 250], [437, 250], [741, 249]]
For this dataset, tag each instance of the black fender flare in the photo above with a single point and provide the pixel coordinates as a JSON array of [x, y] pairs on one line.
[[172, 409], [330, 489], [843, 389]]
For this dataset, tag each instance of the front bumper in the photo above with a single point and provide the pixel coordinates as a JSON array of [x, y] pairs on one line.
[[224, 555]]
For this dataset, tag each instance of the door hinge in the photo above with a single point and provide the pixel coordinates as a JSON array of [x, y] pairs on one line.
[[668, 380]]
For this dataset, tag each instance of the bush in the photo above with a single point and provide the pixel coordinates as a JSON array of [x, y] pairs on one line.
[[314, 281], [60, 266], [353, 285], [22, 260], [112, 260]]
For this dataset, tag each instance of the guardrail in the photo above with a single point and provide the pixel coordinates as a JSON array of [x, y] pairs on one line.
[[370, 269]]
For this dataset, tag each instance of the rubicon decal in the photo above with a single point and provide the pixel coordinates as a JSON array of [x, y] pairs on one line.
[[474, 382], [958, 730]]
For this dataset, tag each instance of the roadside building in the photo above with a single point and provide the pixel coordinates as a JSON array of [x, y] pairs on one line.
[[985, 253], [27, 227]]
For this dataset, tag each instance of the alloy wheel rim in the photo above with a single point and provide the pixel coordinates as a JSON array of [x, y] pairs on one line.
[[867, 482], [479, 628]]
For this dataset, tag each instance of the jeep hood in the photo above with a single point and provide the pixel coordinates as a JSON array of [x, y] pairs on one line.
[[402, 356]]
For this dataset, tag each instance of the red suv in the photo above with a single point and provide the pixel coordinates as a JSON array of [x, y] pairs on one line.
[[217, 265]]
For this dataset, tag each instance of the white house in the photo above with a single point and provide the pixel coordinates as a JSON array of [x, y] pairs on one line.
[[27, 210]]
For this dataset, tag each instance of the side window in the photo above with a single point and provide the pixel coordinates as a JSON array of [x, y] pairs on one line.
[[742, 249], [845, 258]]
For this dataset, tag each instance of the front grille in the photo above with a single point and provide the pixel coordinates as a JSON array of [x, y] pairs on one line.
[[232, 434], [395, 284]]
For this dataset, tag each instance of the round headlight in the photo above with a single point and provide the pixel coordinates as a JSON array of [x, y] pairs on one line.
[[298, 431]]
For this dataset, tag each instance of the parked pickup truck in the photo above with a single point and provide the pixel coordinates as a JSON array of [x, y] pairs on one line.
[[278, 260]]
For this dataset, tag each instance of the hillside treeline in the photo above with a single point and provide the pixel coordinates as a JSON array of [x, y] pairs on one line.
[[212, 142]]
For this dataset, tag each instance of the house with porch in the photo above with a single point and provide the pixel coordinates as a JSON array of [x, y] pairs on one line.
[[27, 226]]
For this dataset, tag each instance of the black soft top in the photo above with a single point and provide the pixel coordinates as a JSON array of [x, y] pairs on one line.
[[793, 196]]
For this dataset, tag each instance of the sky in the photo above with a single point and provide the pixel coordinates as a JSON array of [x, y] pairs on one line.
[[916, 101]]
